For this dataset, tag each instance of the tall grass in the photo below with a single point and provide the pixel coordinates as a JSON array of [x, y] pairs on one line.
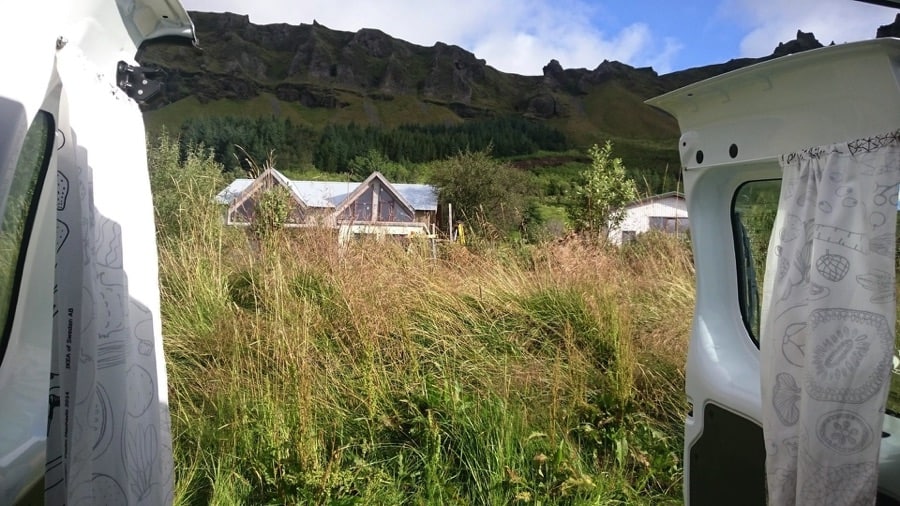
[[301, 373]]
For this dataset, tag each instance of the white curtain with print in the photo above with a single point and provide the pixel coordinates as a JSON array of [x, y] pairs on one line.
[[108, 434], [828, 322]]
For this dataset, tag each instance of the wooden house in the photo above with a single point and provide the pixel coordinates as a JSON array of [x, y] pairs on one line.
[[374, 206]]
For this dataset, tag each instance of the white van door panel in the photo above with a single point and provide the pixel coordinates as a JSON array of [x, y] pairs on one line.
[[34, 115], [734, 127]]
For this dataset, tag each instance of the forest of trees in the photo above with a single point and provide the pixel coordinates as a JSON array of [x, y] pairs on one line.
[[226, 136], [333, 149]]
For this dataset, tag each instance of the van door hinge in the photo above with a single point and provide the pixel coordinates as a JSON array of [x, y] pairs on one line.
[[136, 81]]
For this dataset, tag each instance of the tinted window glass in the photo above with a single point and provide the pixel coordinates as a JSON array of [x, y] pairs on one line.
[[17, 214], [753, 214], [390, 209]]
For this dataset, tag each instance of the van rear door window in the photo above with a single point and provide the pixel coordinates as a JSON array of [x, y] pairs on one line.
[[19, 205], [753, 215]]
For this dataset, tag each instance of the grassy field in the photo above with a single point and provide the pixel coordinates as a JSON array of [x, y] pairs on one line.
[[301, 373], [359, 110]]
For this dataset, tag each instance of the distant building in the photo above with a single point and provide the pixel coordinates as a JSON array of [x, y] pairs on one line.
[[374, 206], [666, 212]]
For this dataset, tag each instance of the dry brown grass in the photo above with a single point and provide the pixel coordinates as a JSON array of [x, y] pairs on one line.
[[308, 369]]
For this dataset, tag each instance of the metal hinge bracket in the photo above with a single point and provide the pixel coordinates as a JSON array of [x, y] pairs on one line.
[[136, 81]]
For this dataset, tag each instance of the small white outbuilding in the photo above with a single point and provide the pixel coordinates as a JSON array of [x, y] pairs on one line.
[[666, 212]]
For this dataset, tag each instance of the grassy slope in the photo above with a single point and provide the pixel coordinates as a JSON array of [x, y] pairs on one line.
[[607, 111], [614, 109], [361, 110]]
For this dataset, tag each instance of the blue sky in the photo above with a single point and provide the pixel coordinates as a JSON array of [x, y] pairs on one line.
[[521, 36]]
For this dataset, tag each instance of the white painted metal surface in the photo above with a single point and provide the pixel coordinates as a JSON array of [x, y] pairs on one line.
[[94, 35], [774, 107]]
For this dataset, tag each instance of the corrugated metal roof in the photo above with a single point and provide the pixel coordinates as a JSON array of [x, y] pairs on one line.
[[323, 193], [656, 198], [422, 197], [232, 191], [330, 194]]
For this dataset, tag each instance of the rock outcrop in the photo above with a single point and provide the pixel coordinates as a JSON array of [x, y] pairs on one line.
[[891, 30], [317, 67]]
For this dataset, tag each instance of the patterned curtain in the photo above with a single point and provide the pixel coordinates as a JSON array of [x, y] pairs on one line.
[[108, 436], [828, 322]]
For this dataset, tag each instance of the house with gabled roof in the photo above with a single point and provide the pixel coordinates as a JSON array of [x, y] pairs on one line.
[[666, 212], [374, 206], [242, 205]]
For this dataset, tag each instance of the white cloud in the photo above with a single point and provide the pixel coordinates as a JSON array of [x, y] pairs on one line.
[[518, 36], [771, 21]]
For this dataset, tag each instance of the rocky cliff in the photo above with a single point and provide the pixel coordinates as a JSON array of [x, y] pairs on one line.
[[313, 68]]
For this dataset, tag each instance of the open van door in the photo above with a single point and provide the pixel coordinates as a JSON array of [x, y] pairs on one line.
[[83, 409], [738, 132]]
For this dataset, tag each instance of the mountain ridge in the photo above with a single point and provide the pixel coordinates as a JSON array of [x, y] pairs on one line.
[[318, 76], [347, 60]]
